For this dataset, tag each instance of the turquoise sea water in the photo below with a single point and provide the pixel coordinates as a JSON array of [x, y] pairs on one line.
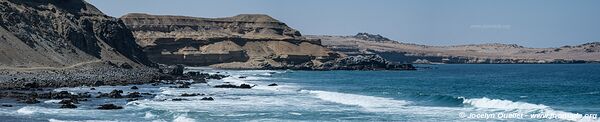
[[565, 92]]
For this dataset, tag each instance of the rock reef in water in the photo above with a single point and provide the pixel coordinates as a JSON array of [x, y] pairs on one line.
[[247, 41]]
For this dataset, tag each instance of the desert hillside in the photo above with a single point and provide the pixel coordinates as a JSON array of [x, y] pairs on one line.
[[66, 40], [368, 44]]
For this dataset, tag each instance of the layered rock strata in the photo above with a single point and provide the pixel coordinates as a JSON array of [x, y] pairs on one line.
[[247, 41]]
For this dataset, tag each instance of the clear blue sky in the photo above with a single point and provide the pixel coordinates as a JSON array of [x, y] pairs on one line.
[[532, 23]]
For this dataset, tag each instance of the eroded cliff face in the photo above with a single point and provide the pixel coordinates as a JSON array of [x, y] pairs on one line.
[[247, 41], [58, 33]]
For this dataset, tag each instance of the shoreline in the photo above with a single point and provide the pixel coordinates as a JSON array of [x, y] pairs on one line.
[[162, 96], [31, 93]]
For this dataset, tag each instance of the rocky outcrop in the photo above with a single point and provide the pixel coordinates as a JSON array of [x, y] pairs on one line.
[[247, 41], [368, 62], [67, 40], [372, 37], [370, 44]]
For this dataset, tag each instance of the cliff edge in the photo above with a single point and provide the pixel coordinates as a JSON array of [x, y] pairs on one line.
[[246, 41]]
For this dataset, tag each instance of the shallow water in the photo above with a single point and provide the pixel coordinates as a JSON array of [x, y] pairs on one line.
[[442, 93]]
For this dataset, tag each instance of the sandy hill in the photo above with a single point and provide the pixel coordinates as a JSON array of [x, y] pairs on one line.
[[369, 44]]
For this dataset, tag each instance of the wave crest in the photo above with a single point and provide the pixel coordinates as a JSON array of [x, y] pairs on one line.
[[368, 102], [501, 104]]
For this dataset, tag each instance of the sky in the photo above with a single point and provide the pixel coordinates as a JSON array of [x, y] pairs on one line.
[[531, 23]]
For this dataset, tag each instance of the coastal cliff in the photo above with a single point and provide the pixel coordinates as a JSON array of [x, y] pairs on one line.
[[246, 41], [371, 44], [64, 43]]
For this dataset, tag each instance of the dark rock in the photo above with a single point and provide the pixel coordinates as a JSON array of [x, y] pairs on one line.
[[242, 77], [208, 98], [226, 86], [32, 85], [73, 101], [82, 95], [62, 95], [245, 86], [273, 84], [179, 99], [132, 99], [134, 87], [99, 83], [109, 107], [217, 76], [68, 105], [126, 66], [133, 95], [7, 105], [364, 62], [190, 95], [92, 88], [242, 86], [193, 73], [112, 94], [178, 70], [31, 100]]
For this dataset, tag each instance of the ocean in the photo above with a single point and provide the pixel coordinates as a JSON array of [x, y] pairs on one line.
[[453, 92]]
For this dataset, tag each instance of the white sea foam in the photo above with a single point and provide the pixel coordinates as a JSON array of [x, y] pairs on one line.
[[523, 107], [52, 101], [295, 113], [27, 110], [149, 115], [371, 103], [183, 118], [502, 104]]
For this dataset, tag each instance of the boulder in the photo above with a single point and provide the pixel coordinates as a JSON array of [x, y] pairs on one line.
[[177, 70], [242, 86], [245, 86], [133, 95], [112, 94], [190, 95], [179, 99], [226, 86], [31, 100], [109, 107], [70, 101], [208, 98]]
